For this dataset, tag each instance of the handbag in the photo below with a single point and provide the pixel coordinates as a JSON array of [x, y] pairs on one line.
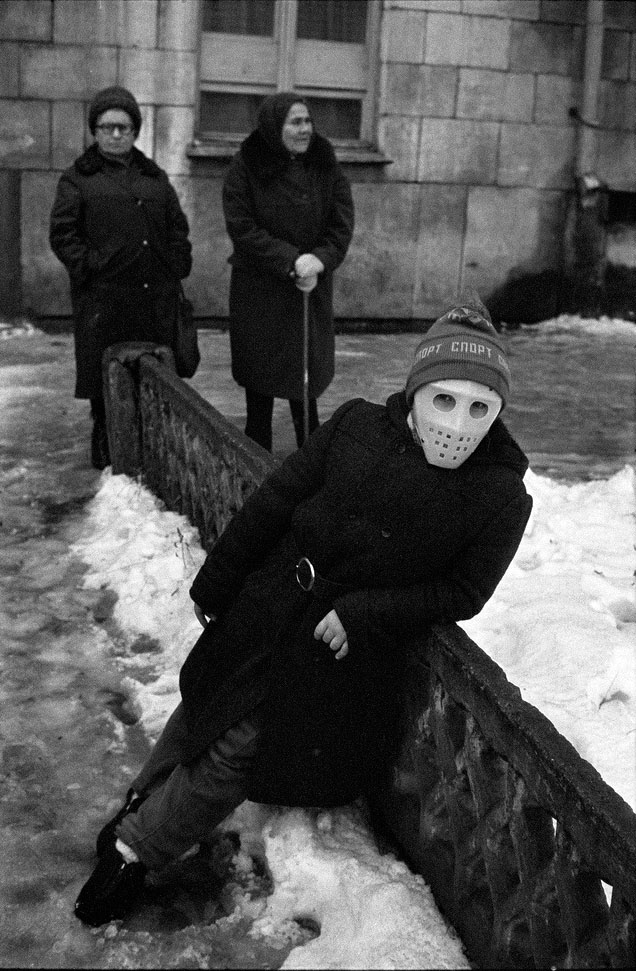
[[185, 338]]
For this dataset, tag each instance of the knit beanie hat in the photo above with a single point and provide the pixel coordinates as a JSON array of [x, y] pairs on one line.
[[461, 345], [114, 97]]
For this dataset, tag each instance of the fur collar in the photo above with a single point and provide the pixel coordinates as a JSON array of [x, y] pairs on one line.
[[265, 164], [93, 161]]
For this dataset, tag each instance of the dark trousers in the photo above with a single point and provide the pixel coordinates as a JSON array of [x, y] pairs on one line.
[[185, 803], [100, 454], [260, 408]]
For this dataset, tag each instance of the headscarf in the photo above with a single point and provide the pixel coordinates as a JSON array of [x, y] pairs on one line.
[[271, 118]]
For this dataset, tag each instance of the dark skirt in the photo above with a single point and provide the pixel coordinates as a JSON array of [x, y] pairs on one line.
[[105, 314]]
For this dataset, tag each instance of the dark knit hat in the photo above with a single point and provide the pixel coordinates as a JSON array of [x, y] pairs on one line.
[[114, 97], [461, 345]]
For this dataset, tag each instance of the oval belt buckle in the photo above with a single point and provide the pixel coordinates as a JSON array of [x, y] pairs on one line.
[[305, 574]]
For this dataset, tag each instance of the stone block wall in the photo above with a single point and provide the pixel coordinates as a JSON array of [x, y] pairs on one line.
[[474, 105], [472, 113]]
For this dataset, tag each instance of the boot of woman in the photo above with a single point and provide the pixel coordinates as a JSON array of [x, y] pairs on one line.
[[100, 453]]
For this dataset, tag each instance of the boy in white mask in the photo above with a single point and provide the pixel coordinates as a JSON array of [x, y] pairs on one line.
[[354, 546]]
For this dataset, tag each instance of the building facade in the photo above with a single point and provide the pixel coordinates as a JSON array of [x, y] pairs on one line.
[[462, 125]]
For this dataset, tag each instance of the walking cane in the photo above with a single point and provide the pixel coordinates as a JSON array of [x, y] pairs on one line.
[[306, 364]]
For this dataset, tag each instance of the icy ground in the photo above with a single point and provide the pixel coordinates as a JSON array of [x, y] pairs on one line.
[[96, 623]]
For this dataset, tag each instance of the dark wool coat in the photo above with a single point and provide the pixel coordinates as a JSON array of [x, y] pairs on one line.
[[275, 209], [121, 234], [404, 544]]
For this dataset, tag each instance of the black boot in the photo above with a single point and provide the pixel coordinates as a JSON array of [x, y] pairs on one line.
[[107, 836], [110, 893], [100, 452]]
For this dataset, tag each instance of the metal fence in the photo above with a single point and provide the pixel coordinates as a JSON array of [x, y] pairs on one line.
[[530, 855]]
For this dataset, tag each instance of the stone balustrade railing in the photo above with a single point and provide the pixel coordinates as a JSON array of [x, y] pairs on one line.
[[530, 855]]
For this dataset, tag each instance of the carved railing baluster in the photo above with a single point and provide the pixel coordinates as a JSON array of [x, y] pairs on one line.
[[583, 904], [488, 775], [622, 930], [532, 833]]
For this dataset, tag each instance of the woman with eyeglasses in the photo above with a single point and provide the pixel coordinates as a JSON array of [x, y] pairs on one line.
[[118, 228]]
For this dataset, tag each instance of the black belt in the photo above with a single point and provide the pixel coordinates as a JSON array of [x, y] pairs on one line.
[[311, 582]]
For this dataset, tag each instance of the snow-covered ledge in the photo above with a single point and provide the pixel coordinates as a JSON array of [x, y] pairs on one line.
[[529, 853]]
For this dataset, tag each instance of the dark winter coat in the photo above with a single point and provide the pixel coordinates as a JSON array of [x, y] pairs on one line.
[[276, 208], [121, 234], [402, 543]]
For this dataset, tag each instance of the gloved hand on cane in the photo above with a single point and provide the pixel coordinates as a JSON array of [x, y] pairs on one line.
[[306, 270]]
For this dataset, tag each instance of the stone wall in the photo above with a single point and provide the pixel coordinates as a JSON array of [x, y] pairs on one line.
[[472, 112]]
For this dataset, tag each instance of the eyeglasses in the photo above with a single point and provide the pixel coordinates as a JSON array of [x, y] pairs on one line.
[[110, 129]]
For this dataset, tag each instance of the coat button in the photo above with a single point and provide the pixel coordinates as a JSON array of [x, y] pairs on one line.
[[145, 242], [145, 286]]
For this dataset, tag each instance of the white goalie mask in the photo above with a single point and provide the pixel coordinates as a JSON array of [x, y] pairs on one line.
[[450, 418]]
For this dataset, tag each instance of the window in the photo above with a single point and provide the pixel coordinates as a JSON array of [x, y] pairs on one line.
[[323, 49]]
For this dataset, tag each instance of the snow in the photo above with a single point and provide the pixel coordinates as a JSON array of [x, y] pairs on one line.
[[570, 323], [562, 625], [17, 328]]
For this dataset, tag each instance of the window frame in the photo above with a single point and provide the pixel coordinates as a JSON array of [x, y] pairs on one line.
[[219, 143]]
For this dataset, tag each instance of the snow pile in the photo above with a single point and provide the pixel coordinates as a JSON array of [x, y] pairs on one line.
[[371, 910], [148, 558], [572, 323], [18, 328], [562, 623]]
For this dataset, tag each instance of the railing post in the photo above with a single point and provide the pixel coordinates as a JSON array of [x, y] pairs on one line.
[[120, 372]]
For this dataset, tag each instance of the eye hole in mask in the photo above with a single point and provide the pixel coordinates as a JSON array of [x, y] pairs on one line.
[[446, 402]]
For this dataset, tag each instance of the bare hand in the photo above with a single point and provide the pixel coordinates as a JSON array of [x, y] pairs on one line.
[[331, 631], [308, 265], [204, 619]]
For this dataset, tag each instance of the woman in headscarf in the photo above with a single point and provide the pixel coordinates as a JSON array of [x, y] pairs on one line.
[[289, 213]]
